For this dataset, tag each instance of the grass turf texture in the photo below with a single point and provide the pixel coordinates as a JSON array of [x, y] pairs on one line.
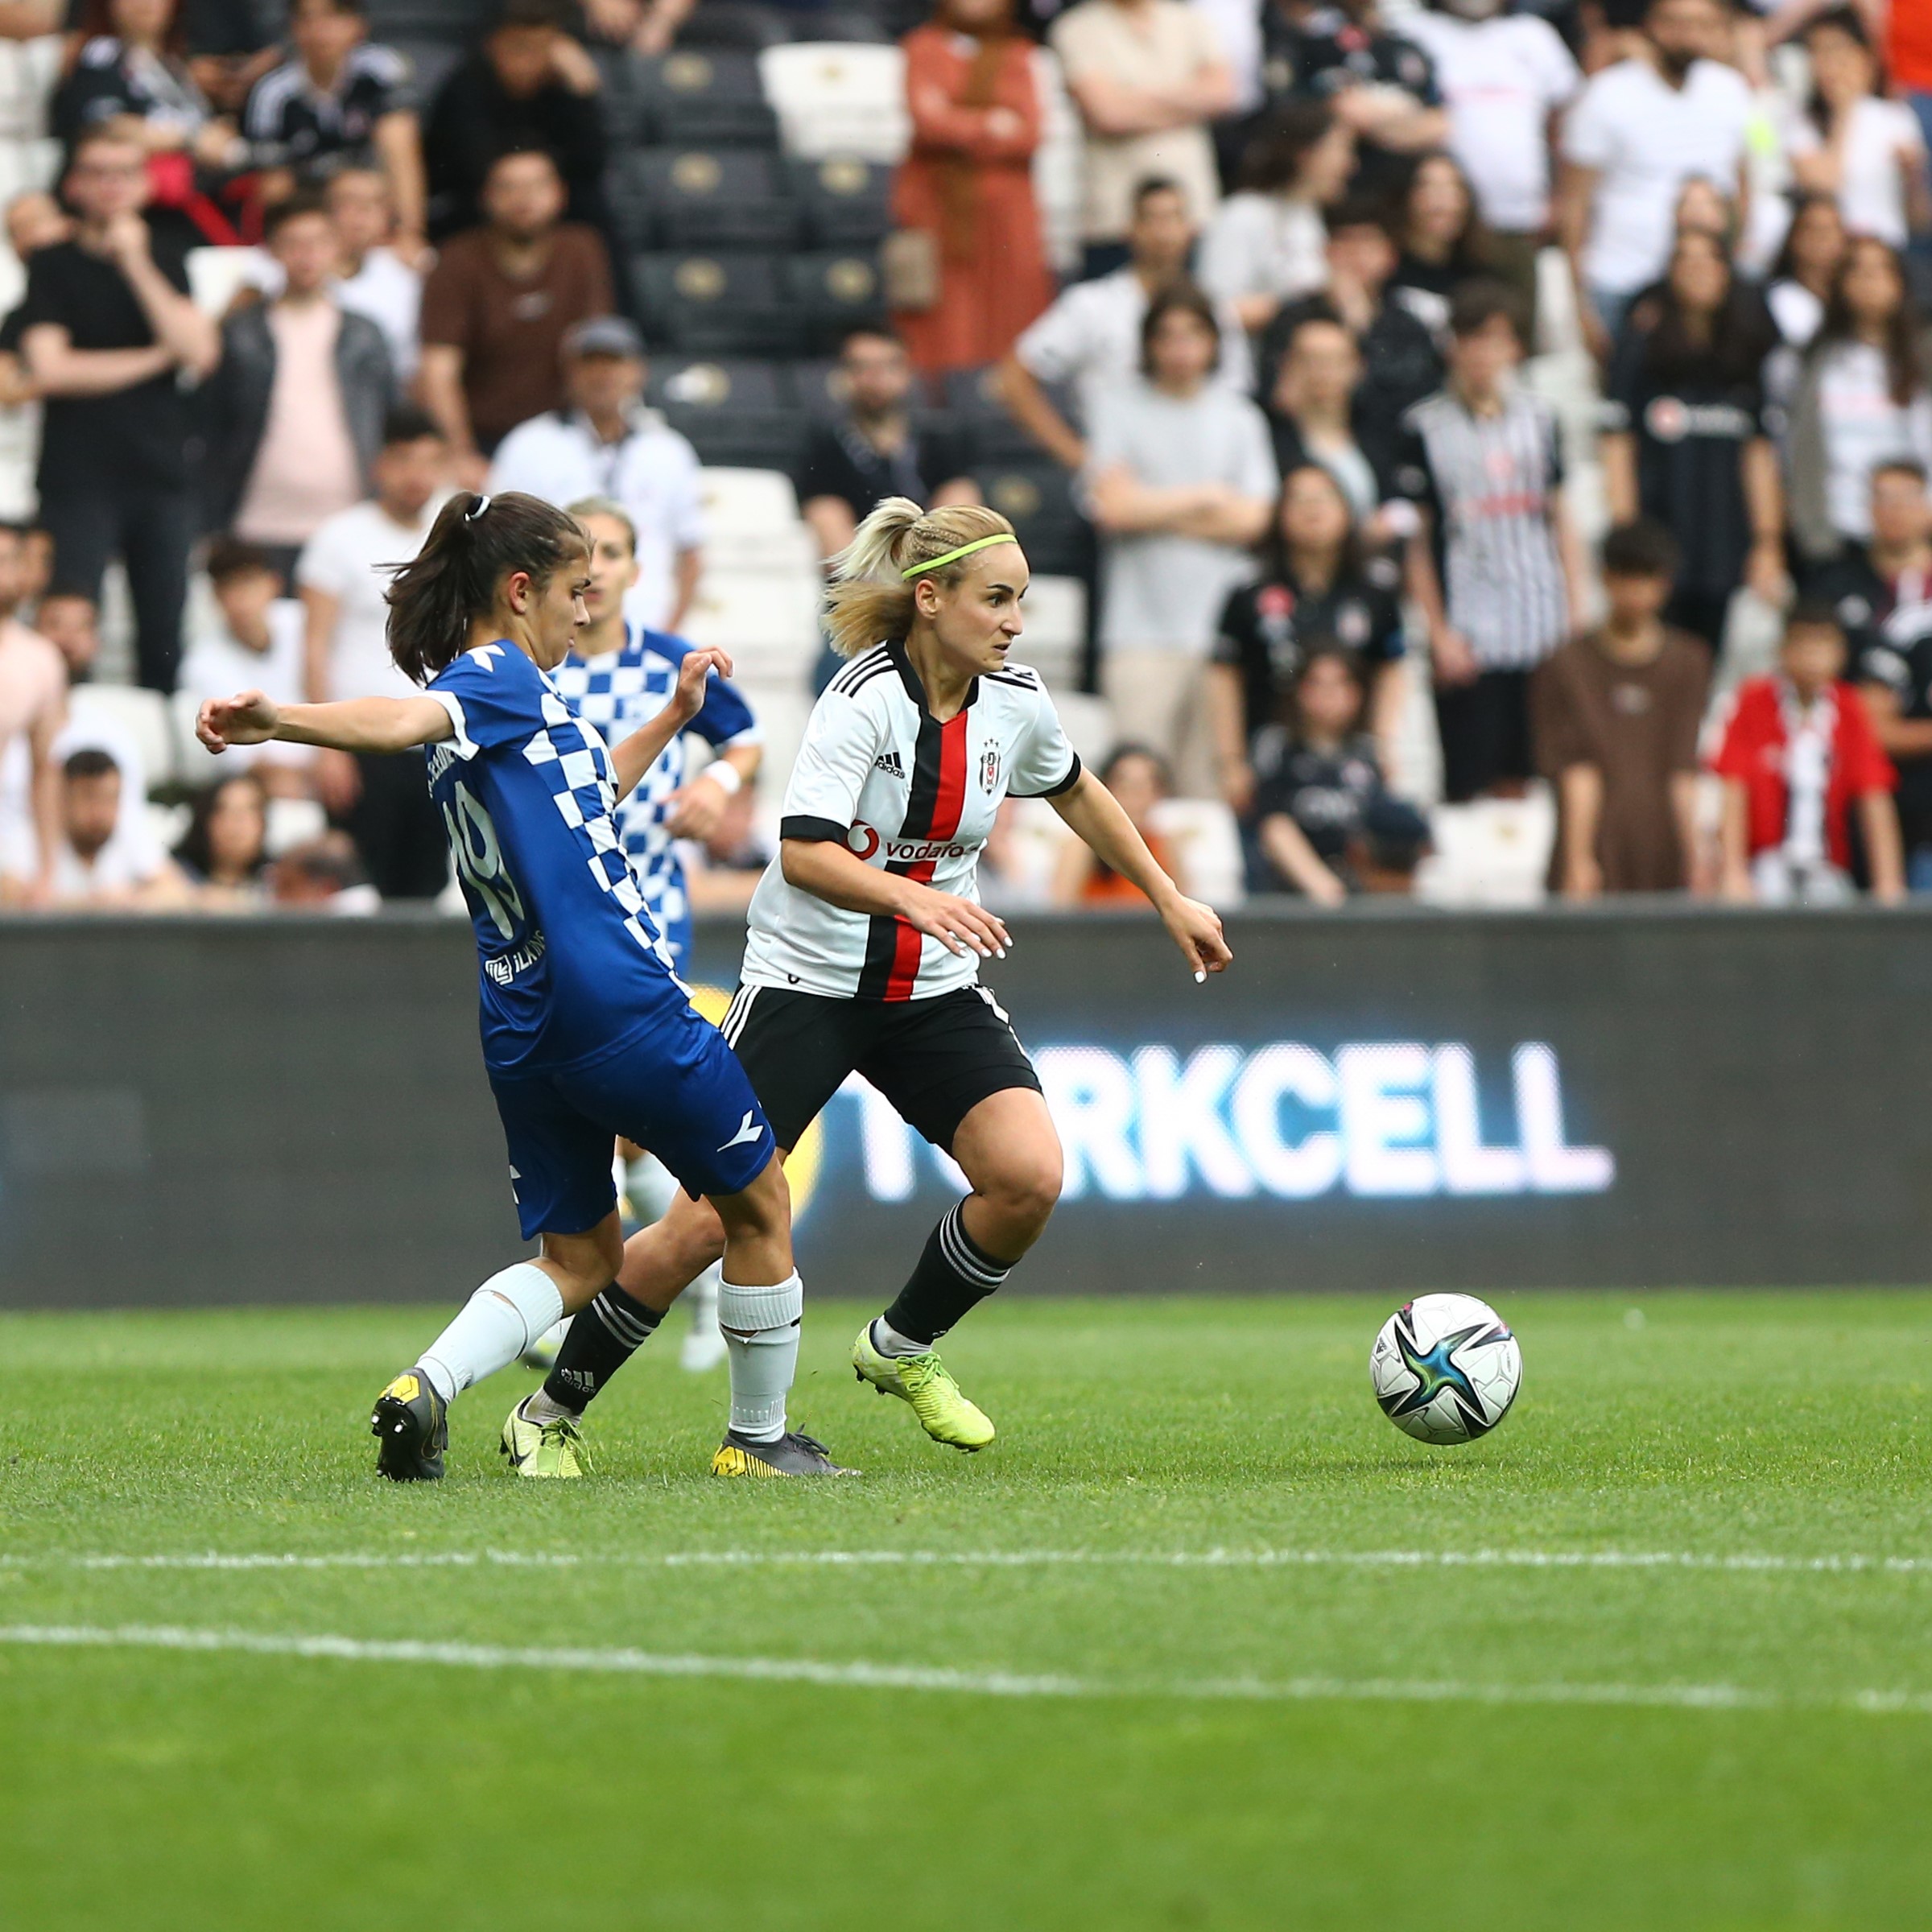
[[152, 1788]]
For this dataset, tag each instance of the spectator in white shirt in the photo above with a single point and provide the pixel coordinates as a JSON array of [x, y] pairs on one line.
[[1638, 132], [1267, 244], [256, 644], [1146, 78], [1849, 143], [1863, 399], [1502, 75], [101, 863], [604, 443], [1182, 483], [373, 279], [344, 577], [1089, 341]]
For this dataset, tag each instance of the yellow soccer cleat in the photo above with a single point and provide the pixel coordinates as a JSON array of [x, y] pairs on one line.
[[791, 1455], [554, 1449], [924, 1382]]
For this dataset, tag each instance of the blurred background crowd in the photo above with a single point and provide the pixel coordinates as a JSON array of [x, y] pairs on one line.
[[1477, 449]]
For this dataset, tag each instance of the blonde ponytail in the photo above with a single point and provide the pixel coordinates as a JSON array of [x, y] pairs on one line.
[[871, 602]]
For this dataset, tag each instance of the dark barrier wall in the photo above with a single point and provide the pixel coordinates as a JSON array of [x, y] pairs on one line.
[[235, 1112]]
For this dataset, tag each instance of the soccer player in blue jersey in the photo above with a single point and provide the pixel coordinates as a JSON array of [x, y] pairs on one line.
[[617, 676], [588, 1034]]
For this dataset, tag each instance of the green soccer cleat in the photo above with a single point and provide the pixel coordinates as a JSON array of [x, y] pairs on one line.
[[553, 1449], [791, 1455], [411, 1423], [924, 1381]]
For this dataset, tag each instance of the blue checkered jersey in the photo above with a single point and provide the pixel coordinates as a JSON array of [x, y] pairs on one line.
[[619, 690], [571, 961]]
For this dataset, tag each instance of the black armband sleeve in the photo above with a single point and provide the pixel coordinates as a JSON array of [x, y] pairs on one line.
[[813, 830]]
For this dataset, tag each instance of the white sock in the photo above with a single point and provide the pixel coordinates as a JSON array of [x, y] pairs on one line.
[[889, 1343], [495, 1326], [761, 1329], [539, 1407], [651, 1187]]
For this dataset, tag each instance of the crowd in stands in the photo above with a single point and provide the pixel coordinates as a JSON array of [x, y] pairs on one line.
[[1430, 414]]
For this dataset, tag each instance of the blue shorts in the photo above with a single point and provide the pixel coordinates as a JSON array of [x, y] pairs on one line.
[[677, 1089]]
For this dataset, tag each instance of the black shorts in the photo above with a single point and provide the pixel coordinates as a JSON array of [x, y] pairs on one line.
[[1485, 733], [934, 1059]]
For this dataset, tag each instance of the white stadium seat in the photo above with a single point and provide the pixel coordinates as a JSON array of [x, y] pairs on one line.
[[137, 717], [838, 97], [752, 522], [1055, 635]]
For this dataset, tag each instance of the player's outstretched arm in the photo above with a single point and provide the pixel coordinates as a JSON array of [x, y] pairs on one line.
[[828, 871], [1100, 821], [371, 724], [632, 756]]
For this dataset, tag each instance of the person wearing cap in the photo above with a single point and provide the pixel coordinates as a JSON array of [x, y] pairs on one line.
[[604, 443]]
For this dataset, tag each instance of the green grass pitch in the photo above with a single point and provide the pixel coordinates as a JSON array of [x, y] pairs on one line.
[[1041, 1699]]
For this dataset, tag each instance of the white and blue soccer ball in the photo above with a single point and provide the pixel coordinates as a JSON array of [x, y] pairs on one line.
[[1445, 1368]]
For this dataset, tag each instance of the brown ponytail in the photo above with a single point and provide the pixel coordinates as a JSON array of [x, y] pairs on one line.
[[475, 542], [871, 600]]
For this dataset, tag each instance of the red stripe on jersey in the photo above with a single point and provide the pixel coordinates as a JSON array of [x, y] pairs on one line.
[[908, 943]]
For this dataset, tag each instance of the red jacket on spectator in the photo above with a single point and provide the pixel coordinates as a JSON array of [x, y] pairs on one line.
[[1755, 751]]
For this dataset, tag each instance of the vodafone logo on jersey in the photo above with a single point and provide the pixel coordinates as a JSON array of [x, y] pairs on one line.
[[868, 843]]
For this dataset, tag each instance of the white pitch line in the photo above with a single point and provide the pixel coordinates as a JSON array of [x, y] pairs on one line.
[[971, 1683], [1748, 1561]]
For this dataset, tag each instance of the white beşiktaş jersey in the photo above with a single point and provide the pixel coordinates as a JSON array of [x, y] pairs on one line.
[[878, 773]]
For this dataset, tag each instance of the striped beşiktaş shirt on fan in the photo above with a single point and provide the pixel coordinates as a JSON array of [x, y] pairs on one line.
[[1490, 484]]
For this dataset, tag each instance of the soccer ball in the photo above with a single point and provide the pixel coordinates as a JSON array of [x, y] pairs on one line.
[[1445, 1368]]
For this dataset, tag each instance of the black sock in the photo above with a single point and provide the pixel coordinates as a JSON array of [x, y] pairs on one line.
[[954, 1273], [600, 1341]]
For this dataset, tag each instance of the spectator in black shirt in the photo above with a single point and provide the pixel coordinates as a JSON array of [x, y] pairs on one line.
[[340, 100], [874, 449], [530, 86], [1441, 240], [1401, 362], [1685, 441], [132, 74], [1383, 86], [1895, 676], [1866, 582], [108, 330], [1328, 822], [1317, 584]]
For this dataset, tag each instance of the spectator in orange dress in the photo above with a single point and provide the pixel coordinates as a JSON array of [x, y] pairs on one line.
[[1137, 776], [980, 276]]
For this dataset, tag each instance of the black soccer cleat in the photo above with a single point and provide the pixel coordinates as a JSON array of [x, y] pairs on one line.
[[791, 1455], [411, 1424]]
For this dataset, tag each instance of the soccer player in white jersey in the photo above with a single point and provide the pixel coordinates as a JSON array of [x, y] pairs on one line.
[[618, 675], [865, 940]]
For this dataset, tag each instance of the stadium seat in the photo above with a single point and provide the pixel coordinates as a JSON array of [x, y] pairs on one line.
[[1058, 167], [713, 98], [216, 275], [752, 522], [430, 64], [848, 27], [769, 622], [1036, 496], [844, 202], [1206, 845], [734, 412], [703, 197], [838, 100], [734, 24], [722, 304], [836, 290], [972, 402], [1055, 641], [139, 718]]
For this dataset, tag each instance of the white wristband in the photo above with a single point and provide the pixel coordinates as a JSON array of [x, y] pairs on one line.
[[724, 775]]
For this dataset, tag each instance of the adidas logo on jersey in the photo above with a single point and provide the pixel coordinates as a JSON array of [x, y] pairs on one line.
[[888, 762]]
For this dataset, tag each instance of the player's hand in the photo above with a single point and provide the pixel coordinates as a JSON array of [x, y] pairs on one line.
[[248, 718], [695, 811], [1196, 929], [688, 700], [963, 927]]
